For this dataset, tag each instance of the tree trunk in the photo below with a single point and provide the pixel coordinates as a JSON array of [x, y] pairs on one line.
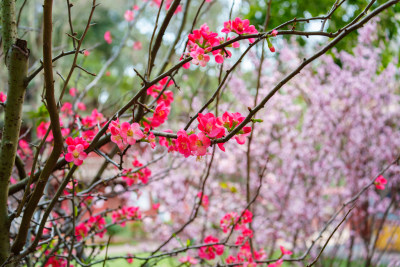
[[16, 60]]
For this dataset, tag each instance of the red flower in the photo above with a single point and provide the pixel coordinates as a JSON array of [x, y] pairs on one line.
[[380, 182], [285, 251], [209, 252]]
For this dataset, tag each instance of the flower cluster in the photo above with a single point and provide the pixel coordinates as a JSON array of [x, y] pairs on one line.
[[56, 261], [167, 96], [164, 100], [209, 252], [239, 223], [245, 256], [201, 42], [24, 151], [125, 214], [125, 133], [210, 127], [240, 27], [230, 120], [91, 125], [42, 128], [95, 223], [131, 177], [76, 147]]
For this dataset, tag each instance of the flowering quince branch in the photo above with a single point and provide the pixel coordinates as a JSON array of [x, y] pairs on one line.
[[108, 159], [39, 69], [62, 233], [322, 51]]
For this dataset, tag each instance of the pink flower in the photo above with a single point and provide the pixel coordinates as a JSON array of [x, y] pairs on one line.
[[137, 45], [208, 125], [183, 143], [243, 26], [199, 143], [13, 180], [274, 33], [163, 140], [76, 151], [227, 27], [129, 16], [125, 213], [156, 206], [24, 149], [107, 37], [129, 260], [152, 140], [56, 262], [199, 58], [81, 106], [230, 259], [228, 220], [97, 116], [204, 200], [209, 252], [219, 58], [241, 136], [98, 224], [240, 27], [230, 120], [247, 217], [160, 115], [189, 260], [131, 177], [81, 230], [86, 53], [131, 132], [186, 65], [285, 251], [42, 129], [380, 182], [167, 97], [67, 108], [3, 97], [73, 92]]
